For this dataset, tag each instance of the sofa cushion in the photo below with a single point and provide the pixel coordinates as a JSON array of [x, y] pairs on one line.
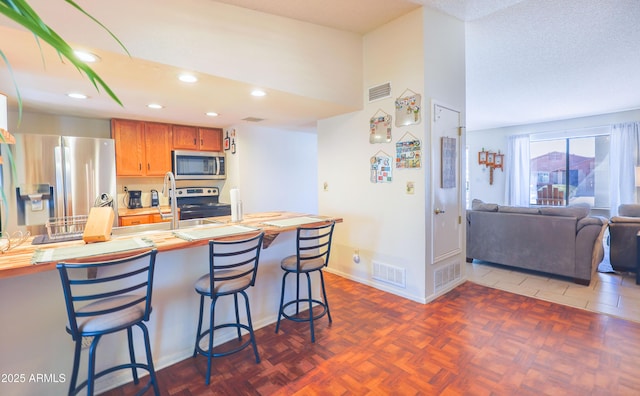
[[518, 209], [578, 210], [477, 204], [630, 210]]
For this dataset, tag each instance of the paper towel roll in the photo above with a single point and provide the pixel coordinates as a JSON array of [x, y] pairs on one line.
[[236, 205]]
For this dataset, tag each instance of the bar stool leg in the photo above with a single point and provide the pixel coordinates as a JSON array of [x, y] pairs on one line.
[[147, 347], [235, 300], [76, 365], [195, 348], [313, 336], [297, 293], [92, 365], [280, 312], [210, 348], [324, 293], [250, 324], [132, 355]]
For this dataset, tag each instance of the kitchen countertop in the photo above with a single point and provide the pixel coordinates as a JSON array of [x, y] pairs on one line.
[[17, 261], [143, 211]]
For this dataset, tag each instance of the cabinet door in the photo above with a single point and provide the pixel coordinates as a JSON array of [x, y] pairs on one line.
[[210, 139], [129, 143], [157, 143], [185, 137], [134, 220]]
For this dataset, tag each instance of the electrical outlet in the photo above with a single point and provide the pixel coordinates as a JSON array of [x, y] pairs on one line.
[[126, 189]]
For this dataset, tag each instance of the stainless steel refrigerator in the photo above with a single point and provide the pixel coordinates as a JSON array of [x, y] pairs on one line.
[[62, 177]]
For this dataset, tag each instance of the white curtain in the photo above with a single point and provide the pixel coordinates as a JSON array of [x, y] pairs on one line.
[[517, 171], [623, 158]]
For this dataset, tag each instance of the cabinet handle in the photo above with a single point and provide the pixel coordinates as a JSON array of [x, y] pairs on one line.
[[202, 142], [148, 166], [195, 141], [140, 166]]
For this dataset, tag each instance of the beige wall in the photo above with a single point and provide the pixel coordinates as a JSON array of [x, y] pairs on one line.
[[422, 51]]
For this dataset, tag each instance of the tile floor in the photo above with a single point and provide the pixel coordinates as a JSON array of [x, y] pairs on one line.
[[609, 293]]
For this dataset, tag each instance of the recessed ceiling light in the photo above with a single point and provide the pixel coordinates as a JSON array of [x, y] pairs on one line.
[[86, 56], [188, 78], [77, 95], [211, 113], [154, 106], [258, 92]]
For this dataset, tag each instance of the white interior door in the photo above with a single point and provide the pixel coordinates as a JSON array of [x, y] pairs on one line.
[[446, 183]]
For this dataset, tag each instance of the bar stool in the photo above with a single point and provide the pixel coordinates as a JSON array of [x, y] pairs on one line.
[[313, 246], [232, 269], [117, 299]]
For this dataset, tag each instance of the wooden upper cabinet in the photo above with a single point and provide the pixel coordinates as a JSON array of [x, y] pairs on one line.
[[194, 138], [157, 143], [142, 148], [185, 137], [210, 139], [129, 144]]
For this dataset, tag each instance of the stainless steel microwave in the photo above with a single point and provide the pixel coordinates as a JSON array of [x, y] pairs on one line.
[[198, 165]]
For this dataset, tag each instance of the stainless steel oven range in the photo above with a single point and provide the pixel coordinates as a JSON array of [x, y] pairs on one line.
[[200, 202]]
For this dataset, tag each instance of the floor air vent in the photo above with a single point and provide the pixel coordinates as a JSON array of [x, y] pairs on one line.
[[447, 275], [380, 92], [390, 274]]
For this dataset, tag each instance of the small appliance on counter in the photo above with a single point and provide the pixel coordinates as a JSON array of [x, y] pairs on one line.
[[155, 198], [135, 199]]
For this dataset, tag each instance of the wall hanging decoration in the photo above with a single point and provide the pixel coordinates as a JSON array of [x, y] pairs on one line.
[[381, 168], [448, 162], [227, 141], [380, 127], [492, 161], [408, 108], [408, 152]]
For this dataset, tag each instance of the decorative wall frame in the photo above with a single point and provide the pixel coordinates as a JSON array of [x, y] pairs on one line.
[[408, 152], [380, 127], [447, 162], [408, 108], [381, 168]]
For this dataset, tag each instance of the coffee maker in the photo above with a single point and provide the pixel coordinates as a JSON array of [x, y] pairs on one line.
[[135, 199]]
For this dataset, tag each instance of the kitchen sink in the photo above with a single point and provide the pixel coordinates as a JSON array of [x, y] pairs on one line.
[[164, 226]]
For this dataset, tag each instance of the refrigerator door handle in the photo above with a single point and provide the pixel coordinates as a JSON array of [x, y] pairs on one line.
[[58, 201]]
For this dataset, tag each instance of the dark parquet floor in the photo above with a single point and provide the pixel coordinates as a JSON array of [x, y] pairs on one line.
[[472, 341]]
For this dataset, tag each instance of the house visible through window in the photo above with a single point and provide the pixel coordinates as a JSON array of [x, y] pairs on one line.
[[568, 170]]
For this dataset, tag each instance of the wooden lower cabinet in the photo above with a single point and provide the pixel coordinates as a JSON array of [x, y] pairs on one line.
[[135, 220], [130, 220]]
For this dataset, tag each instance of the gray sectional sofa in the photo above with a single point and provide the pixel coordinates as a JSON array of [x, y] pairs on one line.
[[623, 230], [555, 240]]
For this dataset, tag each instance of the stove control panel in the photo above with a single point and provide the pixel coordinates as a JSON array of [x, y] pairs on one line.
[[185, 192]]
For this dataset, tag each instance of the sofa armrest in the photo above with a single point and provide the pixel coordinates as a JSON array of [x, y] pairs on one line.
[[590, 220], [589, 230]]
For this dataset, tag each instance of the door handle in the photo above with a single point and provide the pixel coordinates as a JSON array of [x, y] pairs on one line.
[[438, 211]]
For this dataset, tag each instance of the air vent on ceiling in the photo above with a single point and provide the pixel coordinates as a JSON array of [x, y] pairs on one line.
[[253, 119], [380, 92]]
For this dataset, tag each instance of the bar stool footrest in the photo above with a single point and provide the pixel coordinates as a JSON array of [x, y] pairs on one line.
[[306, 302], [240, 347]]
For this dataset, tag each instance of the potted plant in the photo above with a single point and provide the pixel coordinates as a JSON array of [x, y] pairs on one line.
[[21, 12]]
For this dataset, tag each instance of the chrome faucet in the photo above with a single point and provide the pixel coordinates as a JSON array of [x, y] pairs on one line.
[[171, 193]]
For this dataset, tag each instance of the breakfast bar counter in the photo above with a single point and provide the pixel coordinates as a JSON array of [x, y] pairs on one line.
[[18, 261]]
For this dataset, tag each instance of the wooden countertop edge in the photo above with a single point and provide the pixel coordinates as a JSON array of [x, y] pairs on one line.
[[163, 240]]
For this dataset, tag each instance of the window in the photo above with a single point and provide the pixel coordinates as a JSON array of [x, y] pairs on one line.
[[568, 170]]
